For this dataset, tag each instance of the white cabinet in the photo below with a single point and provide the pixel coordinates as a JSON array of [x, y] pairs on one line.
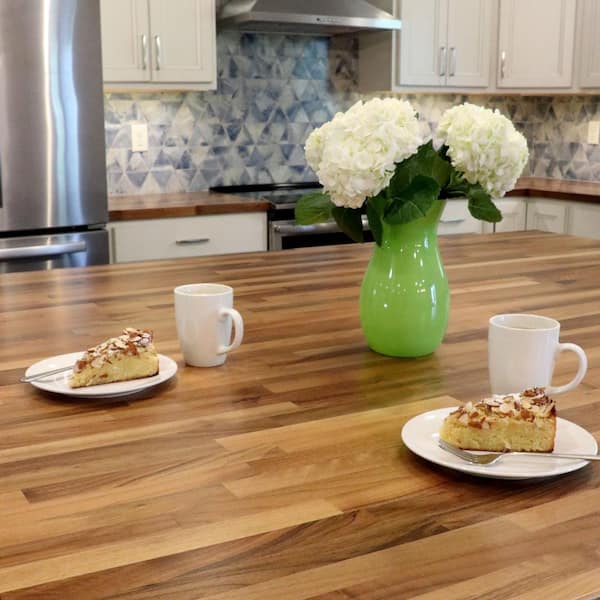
[[456, 218], [514, 213], [589, 74], [547, 215], [152, 239], [536, 43], [159, 43], [584, 220], [125, 35], [445, 43]]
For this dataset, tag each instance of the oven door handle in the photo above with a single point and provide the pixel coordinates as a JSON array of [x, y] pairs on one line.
[[285, 229]]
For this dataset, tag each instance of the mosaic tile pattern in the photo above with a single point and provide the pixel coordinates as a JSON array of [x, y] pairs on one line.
[[555, 128], [273, 90]]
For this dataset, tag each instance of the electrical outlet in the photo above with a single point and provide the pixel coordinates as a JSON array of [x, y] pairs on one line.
[[139, 137], [593, 135]]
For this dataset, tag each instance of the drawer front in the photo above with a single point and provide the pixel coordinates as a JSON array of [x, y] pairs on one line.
[[456, 218], [155, 239]]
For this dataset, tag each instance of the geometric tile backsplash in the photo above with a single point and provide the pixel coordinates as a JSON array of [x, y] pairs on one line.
[[273, 90]]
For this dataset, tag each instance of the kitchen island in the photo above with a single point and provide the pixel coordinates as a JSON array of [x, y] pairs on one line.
[[282, 473]]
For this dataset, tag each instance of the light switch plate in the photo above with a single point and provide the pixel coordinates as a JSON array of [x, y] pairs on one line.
[[139, 137], [593, 135]]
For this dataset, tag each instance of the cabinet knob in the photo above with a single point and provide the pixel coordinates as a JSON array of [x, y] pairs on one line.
[[502, 64], [452, 61]]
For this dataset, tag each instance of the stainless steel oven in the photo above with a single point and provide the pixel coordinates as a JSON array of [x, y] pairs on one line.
[[288, 234], [283, 231]]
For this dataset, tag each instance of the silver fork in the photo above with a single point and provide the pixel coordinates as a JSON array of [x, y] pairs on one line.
[[490, 458], [43, 375]]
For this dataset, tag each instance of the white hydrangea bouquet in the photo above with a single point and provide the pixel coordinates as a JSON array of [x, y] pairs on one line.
[[374, 159]]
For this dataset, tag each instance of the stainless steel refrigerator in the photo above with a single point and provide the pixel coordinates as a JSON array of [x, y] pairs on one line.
[[53, 203]]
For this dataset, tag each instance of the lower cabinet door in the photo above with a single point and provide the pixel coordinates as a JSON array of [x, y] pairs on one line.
[[547, 215], [584, 220]]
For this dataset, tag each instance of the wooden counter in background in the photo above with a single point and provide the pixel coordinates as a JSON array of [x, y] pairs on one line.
[[561, 189], [282, 473], [156, 206]]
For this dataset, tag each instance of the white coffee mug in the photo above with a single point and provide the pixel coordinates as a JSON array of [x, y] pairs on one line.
[[522, 352], [204, 313]]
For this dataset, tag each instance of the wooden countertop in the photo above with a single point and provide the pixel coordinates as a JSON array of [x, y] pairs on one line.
[[123, 208], [282, 474], [562, 189], [155, 206]]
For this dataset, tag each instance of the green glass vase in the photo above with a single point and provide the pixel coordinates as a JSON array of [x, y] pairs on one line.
[[404, 299]]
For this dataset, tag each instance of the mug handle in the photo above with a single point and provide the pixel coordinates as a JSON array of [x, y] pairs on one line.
[[238, 324], [583, 365]]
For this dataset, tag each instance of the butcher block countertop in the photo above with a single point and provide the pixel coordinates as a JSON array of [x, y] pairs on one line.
[[282, 474], [562, 189], [154, 206]]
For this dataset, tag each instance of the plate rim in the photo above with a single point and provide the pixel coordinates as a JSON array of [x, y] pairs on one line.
[[144, 383], [487, 472]]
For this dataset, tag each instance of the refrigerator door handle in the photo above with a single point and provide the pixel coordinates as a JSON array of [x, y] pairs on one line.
[[42, 250]]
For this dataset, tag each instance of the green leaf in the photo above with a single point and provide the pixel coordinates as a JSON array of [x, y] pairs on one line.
[[375, 210], [481, 205], [313, 208], [349, 220], [415, 201], [426, 162]]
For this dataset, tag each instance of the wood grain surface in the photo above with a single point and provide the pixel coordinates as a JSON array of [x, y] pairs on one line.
[[156, 206], [281, 475]]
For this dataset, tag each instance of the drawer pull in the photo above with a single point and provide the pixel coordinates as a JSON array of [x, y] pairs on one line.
[[192, 241], [446, 221]]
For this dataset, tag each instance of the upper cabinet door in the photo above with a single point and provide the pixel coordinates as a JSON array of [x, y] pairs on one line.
[[590, 44], [125, 39], [469, 40], [423, 48], [536, 42], [183, 40]]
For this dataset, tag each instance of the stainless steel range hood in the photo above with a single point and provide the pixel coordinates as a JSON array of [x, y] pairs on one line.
[[320, 17]]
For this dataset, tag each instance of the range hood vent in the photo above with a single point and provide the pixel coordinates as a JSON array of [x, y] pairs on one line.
[[316, 17]]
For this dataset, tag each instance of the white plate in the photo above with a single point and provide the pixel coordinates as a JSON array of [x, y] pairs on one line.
[[421, 435], [58, 384]]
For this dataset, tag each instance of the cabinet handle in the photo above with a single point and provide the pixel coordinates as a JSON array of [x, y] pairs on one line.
[[144, 39], [192, 242], [447, 221], [442, 61], [452, 61], [502, 64], [158, 51]]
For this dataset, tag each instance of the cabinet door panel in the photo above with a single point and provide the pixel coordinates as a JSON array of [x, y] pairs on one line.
[[183, 40], [584, 220], [513, 211], [536, 39], [469, 38], [423, 50], [590, 55], [123, 23], [547, 215]]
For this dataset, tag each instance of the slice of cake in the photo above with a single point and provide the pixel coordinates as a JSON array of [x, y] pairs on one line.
[[525, 422], [129, 356]]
